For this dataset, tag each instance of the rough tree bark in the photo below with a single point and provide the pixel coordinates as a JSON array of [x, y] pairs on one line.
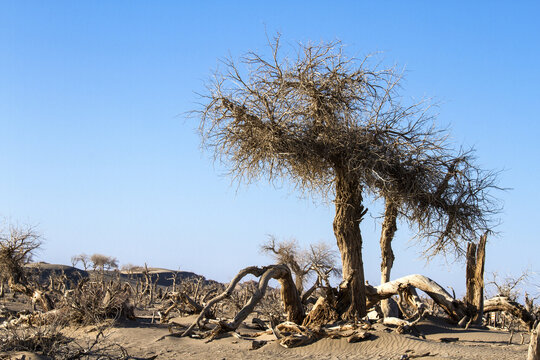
[[349, 213], [389, 228], [534, 345], [474, 298]]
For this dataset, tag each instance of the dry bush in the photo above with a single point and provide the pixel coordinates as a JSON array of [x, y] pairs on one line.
[[46, 340], [93, 302]]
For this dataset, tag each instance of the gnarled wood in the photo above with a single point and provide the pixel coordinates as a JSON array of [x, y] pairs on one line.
[[534, 345], [455, 309], [289, 296], [501, 303], [322, 313], [389, 228]]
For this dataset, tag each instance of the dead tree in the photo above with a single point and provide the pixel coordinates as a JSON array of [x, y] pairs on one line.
[[289, 296], [319, 258], [289, 253], [534, 345], [474, 298], [505, 304], [335, 125], [81, 258], [17, 246]]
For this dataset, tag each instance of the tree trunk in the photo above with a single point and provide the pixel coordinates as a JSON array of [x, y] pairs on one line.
[[299, 281], [389, 228], [474, 298], [349, 213], [534, 345], [289, 296]]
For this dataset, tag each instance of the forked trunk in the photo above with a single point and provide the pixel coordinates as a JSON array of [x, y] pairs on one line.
[[349, 213], [389, 227]]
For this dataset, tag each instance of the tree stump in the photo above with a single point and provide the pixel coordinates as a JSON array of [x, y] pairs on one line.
[[534, 345]]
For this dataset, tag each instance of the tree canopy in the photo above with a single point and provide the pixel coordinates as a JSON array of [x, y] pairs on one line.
[[333, 124]]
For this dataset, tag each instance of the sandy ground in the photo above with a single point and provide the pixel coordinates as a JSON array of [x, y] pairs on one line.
[[144, 340]]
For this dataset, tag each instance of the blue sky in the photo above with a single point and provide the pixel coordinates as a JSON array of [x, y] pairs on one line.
[[97, 152]]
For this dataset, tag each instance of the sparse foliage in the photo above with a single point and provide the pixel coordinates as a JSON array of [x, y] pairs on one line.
[[103, 262]]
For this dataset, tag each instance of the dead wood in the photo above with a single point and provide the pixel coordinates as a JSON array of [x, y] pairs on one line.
[[289, 296], [296, 335], [534, 345], [359, 336], [501, 303], [322, 313], [474, 298], [455, 309]]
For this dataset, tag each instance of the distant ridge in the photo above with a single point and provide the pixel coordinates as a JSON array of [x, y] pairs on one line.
[[164, 276]]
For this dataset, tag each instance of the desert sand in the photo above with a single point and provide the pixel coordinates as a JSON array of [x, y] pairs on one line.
[[145, 340]]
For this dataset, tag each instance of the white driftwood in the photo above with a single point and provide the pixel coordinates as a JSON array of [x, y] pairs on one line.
[[455, 309], [394, 321]]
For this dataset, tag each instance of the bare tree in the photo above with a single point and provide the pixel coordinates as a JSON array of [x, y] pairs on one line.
[[17, 245], [334, 125], [319, 258], [103, 262], [81, 258], [289, 253], [509, 286]]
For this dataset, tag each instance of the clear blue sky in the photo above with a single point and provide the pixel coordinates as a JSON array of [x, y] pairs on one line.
[[95, 149]]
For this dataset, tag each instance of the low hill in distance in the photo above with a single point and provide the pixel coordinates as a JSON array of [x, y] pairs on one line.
[[164, 277]]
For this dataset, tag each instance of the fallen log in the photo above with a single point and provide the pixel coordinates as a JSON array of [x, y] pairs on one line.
[[502, 303], [454, 308]]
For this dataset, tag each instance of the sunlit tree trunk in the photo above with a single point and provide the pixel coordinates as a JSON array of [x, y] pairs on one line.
[[389, 227], [474, 297], [349, 213]]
